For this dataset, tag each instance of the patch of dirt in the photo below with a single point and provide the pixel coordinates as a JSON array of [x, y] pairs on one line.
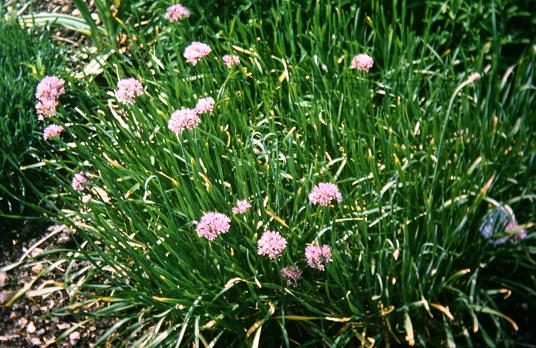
[[32, 297], [59, 6]]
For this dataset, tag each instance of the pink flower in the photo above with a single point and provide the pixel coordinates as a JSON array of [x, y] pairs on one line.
[[183, 119], [316, 256], [128, 90], [195, 52], [177, 13], [324, 193], [51, 131], [271, 244], [205, 105], [46, 108], [230, 60], [362, 62], [213, 224], [517, 230], [80, 181], [241, 207], [50, 88], [292, 275]]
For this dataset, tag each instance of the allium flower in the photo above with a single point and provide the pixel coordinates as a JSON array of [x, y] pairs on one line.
[[195, 52], [183, 119], [241, 207], [80, 181], [51, 131], [291, 274], [316, 256], [324, 193], [50, 88], [128, 90], [230, 60], [213, 224], [271, 244], [46, 108], [499, 221], [205, 105], [177, 13], [362, 62]]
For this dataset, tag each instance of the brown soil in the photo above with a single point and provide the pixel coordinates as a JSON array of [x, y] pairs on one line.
[[34, 319]]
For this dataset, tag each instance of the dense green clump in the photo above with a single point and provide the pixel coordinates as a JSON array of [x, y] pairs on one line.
[[25, 57], [367, 183]]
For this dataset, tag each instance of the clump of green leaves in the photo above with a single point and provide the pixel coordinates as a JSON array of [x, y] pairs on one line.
[[418, 150], [25, 57]]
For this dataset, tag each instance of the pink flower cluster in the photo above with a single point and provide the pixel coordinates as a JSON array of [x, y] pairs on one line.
[[52, 131], [213, 224], [128, 90], [186, 118], [362, 62], [183, 119], [324, 193], [50, 87], [47, 93], [196, 51], [177, 13], [241, 207], [80, 181], [271, 244], [291, 274], [230, 60], [316, 256], [46, 108], [205, 105]]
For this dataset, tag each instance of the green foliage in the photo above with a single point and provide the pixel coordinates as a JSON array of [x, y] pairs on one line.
[[24, 59], [418, 151], [112, 13]]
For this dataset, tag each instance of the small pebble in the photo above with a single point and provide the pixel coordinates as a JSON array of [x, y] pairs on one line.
[[64, 326], [37, 268], [74, 337], [36, 252], [31, 327], [22, 322], [3, 279], [6, 296]]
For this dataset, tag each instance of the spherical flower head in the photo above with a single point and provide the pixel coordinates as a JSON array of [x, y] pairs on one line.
[[46, 108], [213, 224], [230, 59], [241, 207], [205, 105], [316, 256], [128, 90], [196, 51], [324, 193], [271, 244], [52, 131], [291, 274], [183, 119], [50, 88], [362, 62], [177, 12], [80, 181]]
